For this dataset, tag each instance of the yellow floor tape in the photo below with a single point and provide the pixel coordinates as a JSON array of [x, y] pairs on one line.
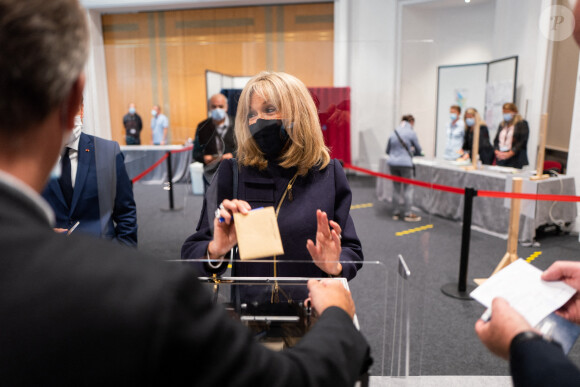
[[357, 206], [533, 256], [412, 230]]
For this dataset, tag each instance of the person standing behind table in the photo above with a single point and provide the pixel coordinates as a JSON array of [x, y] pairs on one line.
[[511, 139], [472, 119], [455, 132], [401, 147], [133, 126], [159, 126], [214, 138], [93, 189]]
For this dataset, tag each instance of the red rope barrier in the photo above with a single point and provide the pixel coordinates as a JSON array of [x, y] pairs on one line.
[[145, 172], [528, 196], [481, 193], [419, 183]]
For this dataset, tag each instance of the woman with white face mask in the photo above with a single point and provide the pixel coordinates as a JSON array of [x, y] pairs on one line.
[[511, 140]]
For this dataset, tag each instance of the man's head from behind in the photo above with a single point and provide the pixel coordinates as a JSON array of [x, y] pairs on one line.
[[44, 49]]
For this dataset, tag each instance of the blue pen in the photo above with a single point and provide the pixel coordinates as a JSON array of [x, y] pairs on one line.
[[222, 219]]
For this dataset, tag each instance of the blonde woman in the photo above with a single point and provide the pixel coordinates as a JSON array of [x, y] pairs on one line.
[[281, 162], [511, 140], [472, 120]]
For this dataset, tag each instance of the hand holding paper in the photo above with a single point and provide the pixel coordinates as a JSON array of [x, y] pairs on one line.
[[521, 285], [498, 333], [224, 237], [569, 273]]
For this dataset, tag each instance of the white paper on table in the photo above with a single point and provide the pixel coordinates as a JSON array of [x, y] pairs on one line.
[[520, 284]]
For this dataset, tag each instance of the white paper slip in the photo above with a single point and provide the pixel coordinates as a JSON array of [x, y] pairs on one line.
[[520, 284]]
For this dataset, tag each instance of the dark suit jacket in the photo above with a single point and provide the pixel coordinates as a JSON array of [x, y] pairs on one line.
[[103, 194], [325, 189], [519, 145], [80, 311], [540, 363], [133, 126], [485, 149], [205, 143]]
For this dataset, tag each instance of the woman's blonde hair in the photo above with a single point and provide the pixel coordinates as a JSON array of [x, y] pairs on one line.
[[478, 120], [293, 101], [511, 107]]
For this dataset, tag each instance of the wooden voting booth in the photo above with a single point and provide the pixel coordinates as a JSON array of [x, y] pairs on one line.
[[511, 254]]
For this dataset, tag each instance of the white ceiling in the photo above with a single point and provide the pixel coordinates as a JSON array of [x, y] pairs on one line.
[[119, 6]]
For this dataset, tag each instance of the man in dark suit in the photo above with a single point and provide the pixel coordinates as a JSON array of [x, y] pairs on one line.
[[215, 139], [93, 189], [79, 311]]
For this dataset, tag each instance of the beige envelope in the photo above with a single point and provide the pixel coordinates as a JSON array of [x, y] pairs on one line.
[[258, 234]]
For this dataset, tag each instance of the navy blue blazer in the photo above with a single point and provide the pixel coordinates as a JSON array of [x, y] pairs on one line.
[[540, 363], [325, 189], [103, 194]]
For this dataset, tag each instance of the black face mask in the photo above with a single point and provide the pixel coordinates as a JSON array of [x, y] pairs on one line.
[[270, 136]]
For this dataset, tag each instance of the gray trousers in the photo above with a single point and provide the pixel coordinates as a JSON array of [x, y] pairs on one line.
[[402, 191]]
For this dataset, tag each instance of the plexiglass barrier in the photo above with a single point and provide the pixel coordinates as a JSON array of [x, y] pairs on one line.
[[274, 308]]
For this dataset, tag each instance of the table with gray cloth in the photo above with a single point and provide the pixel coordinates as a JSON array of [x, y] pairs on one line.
[[140, 157], [490, 215]]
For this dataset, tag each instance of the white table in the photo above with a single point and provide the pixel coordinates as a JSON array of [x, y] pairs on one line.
[[490, 215], [140, 157]]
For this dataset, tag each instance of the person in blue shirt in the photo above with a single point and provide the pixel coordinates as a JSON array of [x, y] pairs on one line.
[[455, 133], [401, 147], [159, 126]]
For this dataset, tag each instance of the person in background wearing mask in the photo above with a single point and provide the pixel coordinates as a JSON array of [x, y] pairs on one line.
[[93, 189], [403, 144], [133, 126], [472, 120], [455, 132], [214, 137], [159, 126], [281, 162], [511, 140]]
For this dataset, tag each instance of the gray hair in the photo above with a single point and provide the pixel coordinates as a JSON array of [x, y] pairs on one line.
[[44, 49]]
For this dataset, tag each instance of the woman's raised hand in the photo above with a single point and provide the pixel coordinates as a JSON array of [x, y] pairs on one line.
[[326, 252]]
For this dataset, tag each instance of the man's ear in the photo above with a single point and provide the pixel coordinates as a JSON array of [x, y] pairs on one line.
[[73, 102]]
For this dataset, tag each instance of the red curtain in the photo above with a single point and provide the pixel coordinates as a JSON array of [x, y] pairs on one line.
[[333, 105]]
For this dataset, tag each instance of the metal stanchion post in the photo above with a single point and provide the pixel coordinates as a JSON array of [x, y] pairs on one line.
[[461, 290], [170, 180], [170, 183]]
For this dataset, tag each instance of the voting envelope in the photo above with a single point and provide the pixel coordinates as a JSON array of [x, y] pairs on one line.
[[258, 234]]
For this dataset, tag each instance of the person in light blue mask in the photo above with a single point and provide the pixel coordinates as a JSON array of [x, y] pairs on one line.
[[472, 120], [159, 126], [511, 140], [455, 133], [214, 137]]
